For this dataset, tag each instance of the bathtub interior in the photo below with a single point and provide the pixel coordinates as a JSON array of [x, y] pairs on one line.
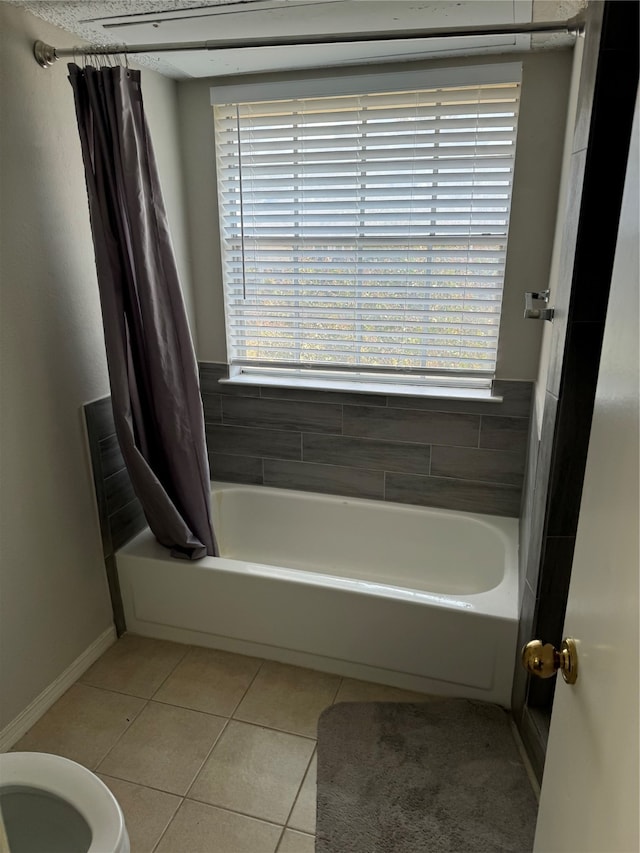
[[432, 550]]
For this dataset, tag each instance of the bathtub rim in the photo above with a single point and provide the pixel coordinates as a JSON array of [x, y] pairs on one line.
[[500, 601]]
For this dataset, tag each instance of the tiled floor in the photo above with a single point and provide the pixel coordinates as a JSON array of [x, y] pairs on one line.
[[206, 751]]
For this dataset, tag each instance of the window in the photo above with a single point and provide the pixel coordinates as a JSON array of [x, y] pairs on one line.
[[365, 232]]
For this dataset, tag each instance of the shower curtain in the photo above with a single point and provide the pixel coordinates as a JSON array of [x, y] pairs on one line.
[[152, 366]]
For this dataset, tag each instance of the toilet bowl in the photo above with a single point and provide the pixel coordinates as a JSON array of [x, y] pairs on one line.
[[50, 804]]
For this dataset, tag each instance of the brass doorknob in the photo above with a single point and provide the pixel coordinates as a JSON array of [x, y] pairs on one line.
[[544, 661]]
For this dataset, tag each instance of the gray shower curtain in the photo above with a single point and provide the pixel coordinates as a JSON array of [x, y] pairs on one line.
[[152, 366]]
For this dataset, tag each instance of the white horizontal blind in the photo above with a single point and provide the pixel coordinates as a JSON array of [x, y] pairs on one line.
[[367, 231]]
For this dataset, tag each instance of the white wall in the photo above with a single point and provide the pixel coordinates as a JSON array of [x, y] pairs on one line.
[[53, 594], [546, 77]]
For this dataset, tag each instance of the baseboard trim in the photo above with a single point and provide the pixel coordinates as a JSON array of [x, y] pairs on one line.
[[12, 732]]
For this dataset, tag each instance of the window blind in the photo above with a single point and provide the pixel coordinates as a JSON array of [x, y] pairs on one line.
[[367, 232]]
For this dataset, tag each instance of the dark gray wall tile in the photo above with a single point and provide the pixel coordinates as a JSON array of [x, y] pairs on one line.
[[118, 491], [110, 456], [210, 373], [369, 453], [236, 469], [99, 417], [573, 427], [516, 398], [282, 414], [540, 489], [447, 493], [528, 494], [491, 466], [409, 425], [311, 395], [516, 401], [331, 479], [504, 434], [247, 441], [553, 589], [114, 591], [212, 407], [126, 523]]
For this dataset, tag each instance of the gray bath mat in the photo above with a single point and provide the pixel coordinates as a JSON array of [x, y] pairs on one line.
[[443, 776]]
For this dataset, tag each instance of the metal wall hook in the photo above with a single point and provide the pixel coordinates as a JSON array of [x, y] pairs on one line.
[[533, 311]]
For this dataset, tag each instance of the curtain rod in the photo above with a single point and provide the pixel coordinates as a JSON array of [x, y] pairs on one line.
[[46, 54]]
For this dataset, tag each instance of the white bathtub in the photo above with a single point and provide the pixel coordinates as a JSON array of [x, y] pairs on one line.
[[419, 598]]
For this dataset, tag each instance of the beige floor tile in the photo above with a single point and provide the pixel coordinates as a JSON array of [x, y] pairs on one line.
[[164, 748], [365, 691], [198, 828], [296, 842], [209, 680], [135, 665], [146, 812], [303, 816], [254, 771], [82, 725], [288, 698]]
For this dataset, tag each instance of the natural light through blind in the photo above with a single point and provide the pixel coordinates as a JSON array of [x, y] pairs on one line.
[[367, 231]]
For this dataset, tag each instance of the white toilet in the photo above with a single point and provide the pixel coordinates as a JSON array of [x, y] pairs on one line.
[[52, 805]]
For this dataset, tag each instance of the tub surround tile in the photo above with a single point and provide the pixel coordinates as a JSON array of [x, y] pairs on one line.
[[288, 698], [197, 827], [111, 460], [147, 812], [118, 491], [311, 395], [497, 433], [99, 418], [516, 401], [446, 493], [119, 510], [135, 665], [247, 441], [125, 523], [282, 414], [164, 748], [236, 469], [412, 425], [82, 725], [296, 842], [303, 815], [573, 427], [489, 466], [330, 479], [212, 408], [255, 771], [210, 374], [209, 680], [371, 453]]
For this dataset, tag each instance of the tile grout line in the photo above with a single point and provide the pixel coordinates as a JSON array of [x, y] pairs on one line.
[[206, 758], [302, 780], [141, 711], [164, 831], [96, 769], [220, 733], [235, 811]]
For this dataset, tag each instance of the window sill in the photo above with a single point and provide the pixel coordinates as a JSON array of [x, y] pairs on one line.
[[480, 395]]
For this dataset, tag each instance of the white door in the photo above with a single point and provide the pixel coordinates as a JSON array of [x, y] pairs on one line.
[[589, 798]]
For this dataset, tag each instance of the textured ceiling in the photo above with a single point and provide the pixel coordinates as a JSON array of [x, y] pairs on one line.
[[135, 22]]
